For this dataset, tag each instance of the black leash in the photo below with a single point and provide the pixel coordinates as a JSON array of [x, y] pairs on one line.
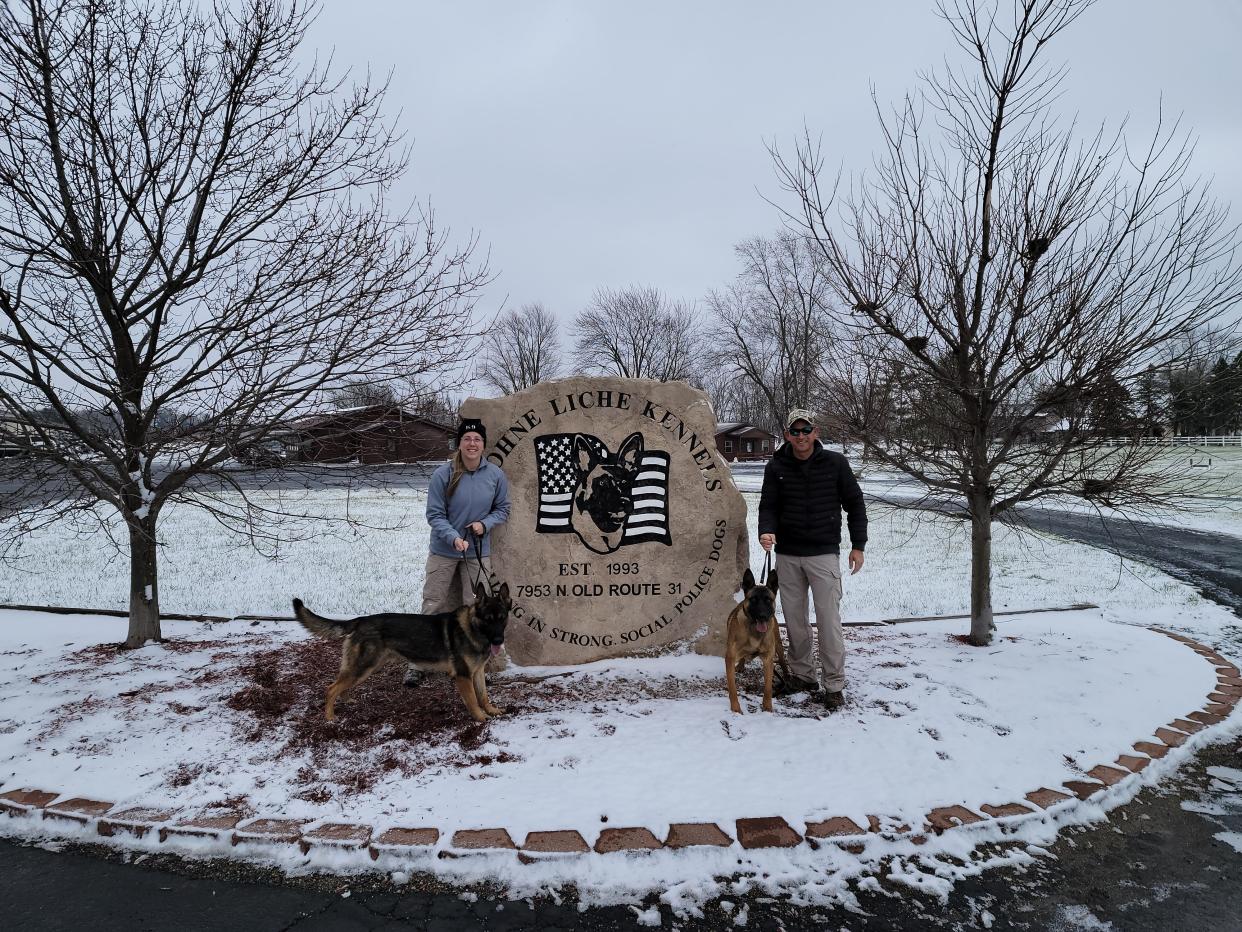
[[478, 556], [782, 670]]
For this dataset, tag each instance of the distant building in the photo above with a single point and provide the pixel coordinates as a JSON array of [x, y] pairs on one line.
[[737, 441], [12, 436], [369, 434], [17, 437]]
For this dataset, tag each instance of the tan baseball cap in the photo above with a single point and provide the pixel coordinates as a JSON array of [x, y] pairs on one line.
[[799, 414]]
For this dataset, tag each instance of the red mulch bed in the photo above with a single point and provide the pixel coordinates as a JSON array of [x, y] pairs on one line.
[[286, 686], [380, 725]]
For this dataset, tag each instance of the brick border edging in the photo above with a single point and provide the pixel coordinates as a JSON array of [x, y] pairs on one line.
[[751, 833]]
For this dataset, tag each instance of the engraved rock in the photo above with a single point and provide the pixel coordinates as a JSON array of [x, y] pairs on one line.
[[627, 532]]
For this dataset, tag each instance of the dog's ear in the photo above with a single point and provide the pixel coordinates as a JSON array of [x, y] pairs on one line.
[[631, 452], [584, 455], [503, 592], [479, 592], [772, 582], [748, 580]]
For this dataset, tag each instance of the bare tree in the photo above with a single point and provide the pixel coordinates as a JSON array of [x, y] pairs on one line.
[[1000, 270], [191, 222], [521, 348], [637, 333], [439, 405], [735, 397], [365, 395], [772, 326]]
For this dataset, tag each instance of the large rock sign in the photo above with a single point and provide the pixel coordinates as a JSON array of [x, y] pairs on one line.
[[627, 532]]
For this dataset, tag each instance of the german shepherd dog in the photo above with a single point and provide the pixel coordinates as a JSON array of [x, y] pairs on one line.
[[457, 643], [603, 498], [753, 632]]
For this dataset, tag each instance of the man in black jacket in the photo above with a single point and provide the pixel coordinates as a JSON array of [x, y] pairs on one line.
[[805, 487]]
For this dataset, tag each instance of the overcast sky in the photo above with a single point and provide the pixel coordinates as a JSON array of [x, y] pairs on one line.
[[602, 144]]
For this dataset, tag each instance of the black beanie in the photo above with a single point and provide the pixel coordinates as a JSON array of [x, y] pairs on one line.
[[473, 424]]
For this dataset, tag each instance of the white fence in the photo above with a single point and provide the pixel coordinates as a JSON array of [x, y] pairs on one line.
[[1235, 441]]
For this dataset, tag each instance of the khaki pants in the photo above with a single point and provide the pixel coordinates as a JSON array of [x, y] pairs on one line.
[[449, 583], [822, 575]]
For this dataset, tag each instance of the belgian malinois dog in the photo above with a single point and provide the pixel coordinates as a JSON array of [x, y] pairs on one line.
[[457, 643], [753, 632]]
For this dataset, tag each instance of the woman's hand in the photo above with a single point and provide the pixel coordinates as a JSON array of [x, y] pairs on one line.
[[478, 528], [460, 545]]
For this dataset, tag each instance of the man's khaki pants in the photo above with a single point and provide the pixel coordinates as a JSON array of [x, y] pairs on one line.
[[449, 582], [822, 575]]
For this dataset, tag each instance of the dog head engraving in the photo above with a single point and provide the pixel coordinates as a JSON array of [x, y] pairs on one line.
[[491, 612], [760, 601], [603, 496]]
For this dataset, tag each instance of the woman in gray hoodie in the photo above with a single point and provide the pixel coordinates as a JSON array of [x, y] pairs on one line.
[[468, 496]]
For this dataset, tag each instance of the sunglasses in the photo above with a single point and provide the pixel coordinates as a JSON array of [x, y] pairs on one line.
[[801, 431]]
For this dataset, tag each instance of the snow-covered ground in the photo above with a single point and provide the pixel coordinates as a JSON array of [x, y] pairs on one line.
[[229, 718], [917, 564], [614, 743], [1216, 507], [229, 715]]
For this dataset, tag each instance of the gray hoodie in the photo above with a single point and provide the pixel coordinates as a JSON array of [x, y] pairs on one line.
[[482, 495]]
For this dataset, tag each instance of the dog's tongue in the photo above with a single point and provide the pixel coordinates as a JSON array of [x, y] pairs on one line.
[[761, 627], [495, 649]]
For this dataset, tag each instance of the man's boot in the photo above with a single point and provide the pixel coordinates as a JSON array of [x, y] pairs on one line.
[[792, 686], [834, 701]]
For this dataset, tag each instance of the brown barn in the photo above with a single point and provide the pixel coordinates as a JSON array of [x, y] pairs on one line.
[[371, 434], [744, 442]]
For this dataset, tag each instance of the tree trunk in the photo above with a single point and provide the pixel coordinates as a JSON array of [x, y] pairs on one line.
[[981, 625], [144, 597]]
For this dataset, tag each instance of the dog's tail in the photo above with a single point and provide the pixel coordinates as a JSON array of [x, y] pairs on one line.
[[317, 624]]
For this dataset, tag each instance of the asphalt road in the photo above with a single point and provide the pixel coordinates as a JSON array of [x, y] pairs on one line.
[[1154, 865], [1210, 562]]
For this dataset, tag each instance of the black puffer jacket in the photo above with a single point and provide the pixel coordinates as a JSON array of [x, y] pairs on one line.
[[802, 500]]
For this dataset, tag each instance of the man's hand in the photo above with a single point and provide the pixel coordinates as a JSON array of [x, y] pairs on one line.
[[460, 545], [856, 561], [767, 541], [478, 528]]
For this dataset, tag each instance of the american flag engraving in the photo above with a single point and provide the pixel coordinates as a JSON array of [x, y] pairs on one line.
[[608, 499]]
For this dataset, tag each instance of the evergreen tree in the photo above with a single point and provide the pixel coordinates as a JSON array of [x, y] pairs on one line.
[[1153, 402]]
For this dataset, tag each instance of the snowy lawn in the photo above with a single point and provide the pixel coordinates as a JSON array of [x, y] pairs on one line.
[[1215, 506], [234, 713], [917, 564], [228, 717]]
